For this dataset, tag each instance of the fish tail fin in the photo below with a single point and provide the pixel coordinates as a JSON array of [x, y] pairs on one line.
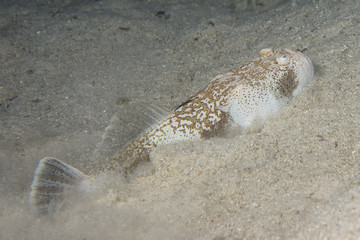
[[52, 182]]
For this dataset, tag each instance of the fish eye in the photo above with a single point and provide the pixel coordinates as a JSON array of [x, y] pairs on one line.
[[282, 60]]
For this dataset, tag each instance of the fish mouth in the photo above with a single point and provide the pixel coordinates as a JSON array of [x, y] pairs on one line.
[[304, 65]]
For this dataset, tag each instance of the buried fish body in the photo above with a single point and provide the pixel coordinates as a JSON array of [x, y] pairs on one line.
[[241, 99]]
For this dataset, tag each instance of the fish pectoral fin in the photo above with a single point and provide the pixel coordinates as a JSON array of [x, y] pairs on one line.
[[235, 97], [53, 181], [224, 107]]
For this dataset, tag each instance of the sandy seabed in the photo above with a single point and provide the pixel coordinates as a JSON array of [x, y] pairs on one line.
[[71, 69]]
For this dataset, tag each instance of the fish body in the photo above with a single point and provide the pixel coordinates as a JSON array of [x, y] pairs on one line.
[[243, 99]]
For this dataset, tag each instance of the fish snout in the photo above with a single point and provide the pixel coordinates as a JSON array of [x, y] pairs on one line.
[[304, 69]]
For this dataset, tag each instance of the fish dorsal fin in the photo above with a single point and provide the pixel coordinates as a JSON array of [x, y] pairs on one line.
[[190, 99], [126, 124], [186, 102], [153, 112]]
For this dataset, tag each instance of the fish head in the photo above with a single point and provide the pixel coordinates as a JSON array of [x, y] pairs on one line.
[[292, 68]]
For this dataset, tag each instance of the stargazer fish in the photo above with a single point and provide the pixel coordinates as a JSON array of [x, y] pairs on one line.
[[241, 99]]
